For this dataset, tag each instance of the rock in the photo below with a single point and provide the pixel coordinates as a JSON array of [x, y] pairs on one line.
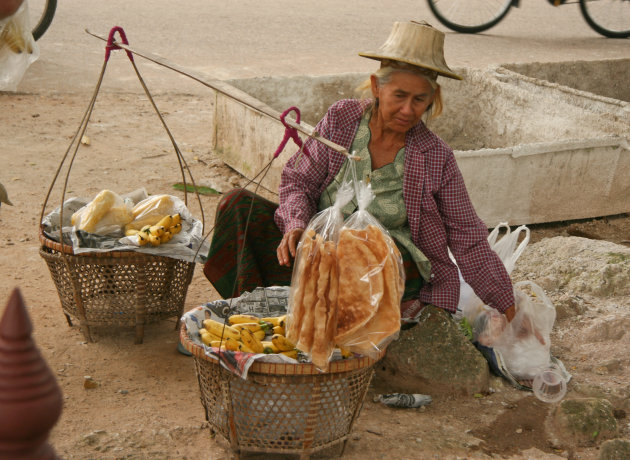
[[568, 306], [615, 449], [582, 422], [433, 357], [608, 328], [577, 265], [89, 383]]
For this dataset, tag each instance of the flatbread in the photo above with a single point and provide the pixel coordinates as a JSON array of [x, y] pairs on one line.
[[310, 276], [360, 283], [296, 299], [384, 247], [323, 344], [385, 324]]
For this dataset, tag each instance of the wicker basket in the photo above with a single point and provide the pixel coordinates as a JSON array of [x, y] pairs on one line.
[[117, 288], [281, 408]]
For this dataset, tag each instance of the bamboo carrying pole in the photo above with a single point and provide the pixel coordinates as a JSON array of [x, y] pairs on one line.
[[228, 91]]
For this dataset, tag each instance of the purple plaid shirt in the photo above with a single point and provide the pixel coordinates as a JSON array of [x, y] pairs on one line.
[[439, 210]]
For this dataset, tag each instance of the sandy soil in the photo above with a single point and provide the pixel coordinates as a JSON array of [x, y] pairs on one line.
[[146, 403]]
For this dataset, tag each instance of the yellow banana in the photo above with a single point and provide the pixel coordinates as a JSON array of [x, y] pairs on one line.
[[211, 336], [239, 319], [166, 222], [251, 326], [220, 329], [250, 341], [177, 219], [269, 347], [282, 342], [166, 237], [290, 353], [279, 330], [276, 320], [245, 348], [145, 229], [175, 229], [154, 239], [345, 352], [206, 337], [232, 344], [157, 230], [218, 344], [143, 238], [260, 334]]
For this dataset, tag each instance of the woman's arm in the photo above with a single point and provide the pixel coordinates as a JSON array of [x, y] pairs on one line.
[[302, 181], [467, 238]]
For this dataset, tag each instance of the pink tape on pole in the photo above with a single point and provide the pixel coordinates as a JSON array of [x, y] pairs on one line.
[[289, 132], [111, 46]]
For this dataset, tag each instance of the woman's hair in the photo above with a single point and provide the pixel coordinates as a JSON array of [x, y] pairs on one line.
[[384, 76]]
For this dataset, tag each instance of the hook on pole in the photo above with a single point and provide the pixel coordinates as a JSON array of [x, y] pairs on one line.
[[289, 132], [111, 46]]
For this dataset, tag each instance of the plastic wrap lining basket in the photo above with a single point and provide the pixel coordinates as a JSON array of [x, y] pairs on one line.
[[281, 408], [116, 288]]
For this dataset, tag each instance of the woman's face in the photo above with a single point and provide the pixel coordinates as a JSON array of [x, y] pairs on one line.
[[402, 101]]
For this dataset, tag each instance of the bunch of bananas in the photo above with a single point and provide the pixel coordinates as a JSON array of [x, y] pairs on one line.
[[247, 333], [159, 233]]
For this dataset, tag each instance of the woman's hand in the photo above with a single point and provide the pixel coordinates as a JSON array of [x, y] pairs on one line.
[[526, 327], [288, 246]]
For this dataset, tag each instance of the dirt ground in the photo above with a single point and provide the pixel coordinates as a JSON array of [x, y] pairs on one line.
[[146, 403]]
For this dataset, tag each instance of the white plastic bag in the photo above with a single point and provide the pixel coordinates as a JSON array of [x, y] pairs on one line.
[[18, 49], [509, 250], [525, 342]]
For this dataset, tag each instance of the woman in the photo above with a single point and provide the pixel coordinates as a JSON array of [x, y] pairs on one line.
[[420, 194]]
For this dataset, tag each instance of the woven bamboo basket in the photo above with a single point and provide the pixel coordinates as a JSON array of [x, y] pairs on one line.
[[281, 408], [117, 288]]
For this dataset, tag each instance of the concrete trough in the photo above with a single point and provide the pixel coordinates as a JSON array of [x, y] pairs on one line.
[[530, 152], [607, 79]]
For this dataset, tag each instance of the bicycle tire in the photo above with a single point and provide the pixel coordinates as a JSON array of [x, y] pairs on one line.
[[602, 14], [490, 13], [45, 19]]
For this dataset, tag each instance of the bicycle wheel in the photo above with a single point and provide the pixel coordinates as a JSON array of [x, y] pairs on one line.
[[41, 13], [611, 18], [470, 16]]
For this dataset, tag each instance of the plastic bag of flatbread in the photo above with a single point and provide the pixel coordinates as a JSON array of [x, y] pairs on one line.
[[371, 281], [311, 317]]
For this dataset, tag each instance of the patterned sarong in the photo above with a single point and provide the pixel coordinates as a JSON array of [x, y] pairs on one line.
[[233, 267]]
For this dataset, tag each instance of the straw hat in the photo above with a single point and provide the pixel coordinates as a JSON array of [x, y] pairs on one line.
[[415, 43]]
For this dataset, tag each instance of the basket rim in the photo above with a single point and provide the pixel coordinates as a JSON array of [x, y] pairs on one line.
[[67, 250], [345, 365]]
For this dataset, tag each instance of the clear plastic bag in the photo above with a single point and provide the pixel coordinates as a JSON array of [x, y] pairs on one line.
[[371, 281], [312, 314], [18, 49], [106, 214]]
